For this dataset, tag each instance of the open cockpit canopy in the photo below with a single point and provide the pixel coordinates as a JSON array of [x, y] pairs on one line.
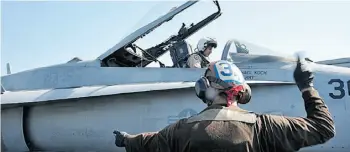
[[127, 54]]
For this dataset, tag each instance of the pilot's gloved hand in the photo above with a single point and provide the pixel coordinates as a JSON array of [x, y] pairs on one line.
[[119, 138], [303, 76]]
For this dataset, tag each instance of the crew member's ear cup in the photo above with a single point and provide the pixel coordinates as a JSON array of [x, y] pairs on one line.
[[244, 96], [201, 87], [210, 94]]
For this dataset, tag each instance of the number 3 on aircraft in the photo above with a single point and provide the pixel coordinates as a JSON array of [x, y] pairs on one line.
[[340, 88]]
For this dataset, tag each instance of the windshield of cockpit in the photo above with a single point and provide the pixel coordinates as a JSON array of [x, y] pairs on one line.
[[239, 51], [193, 14]]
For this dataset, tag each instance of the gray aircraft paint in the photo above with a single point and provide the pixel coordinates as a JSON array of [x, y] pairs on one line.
[[77, 105]]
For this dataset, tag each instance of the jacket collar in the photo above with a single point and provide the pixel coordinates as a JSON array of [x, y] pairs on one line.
[[234, 108]]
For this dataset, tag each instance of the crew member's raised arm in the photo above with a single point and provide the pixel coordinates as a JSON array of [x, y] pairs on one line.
[[298, 132], [284, 133]]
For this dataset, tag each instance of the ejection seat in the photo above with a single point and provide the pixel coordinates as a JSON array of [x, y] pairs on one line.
[[180, 53]]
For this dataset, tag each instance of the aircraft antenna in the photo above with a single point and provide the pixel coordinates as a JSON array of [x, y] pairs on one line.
[[8, 68]]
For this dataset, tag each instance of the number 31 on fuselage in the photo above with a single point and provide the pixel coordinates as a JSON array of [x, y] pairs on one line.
[[341, 88]]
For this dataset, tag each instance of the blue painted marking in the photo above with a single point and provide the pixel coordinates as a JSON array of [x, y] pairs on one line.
[[233, 81], [226, 67], [216, 72]]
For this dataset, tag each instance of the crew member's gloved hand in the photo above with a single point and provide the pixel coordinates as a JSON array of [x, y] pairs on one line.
[[303, 76], [119, 138]]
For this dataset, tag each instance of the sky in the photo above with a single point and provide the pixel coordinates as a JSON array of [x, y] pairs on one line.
[[44, 33]]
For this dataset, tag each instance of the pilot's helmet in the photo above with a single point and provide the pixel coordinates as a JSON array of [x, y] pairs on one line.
[[205, 42]]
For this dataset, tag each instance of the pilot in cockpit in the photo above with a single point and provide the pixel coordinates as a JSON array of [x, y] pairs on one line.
[[204, 49]]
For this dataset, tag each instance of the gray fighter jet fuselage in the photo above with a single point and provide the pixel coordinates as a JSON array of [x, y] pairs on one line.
[[75, 106]]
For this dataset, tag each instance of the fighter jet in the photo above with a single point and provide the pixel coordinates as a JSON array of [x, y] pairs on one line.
[[75, 106]]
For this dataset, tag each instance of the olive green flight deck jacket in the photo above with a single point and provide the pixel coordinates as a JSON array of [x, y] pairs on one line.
[[220, 129]]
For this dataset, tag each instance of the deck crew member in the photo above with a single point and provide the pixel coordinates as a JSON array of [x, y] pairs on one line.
[[224, 126]]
